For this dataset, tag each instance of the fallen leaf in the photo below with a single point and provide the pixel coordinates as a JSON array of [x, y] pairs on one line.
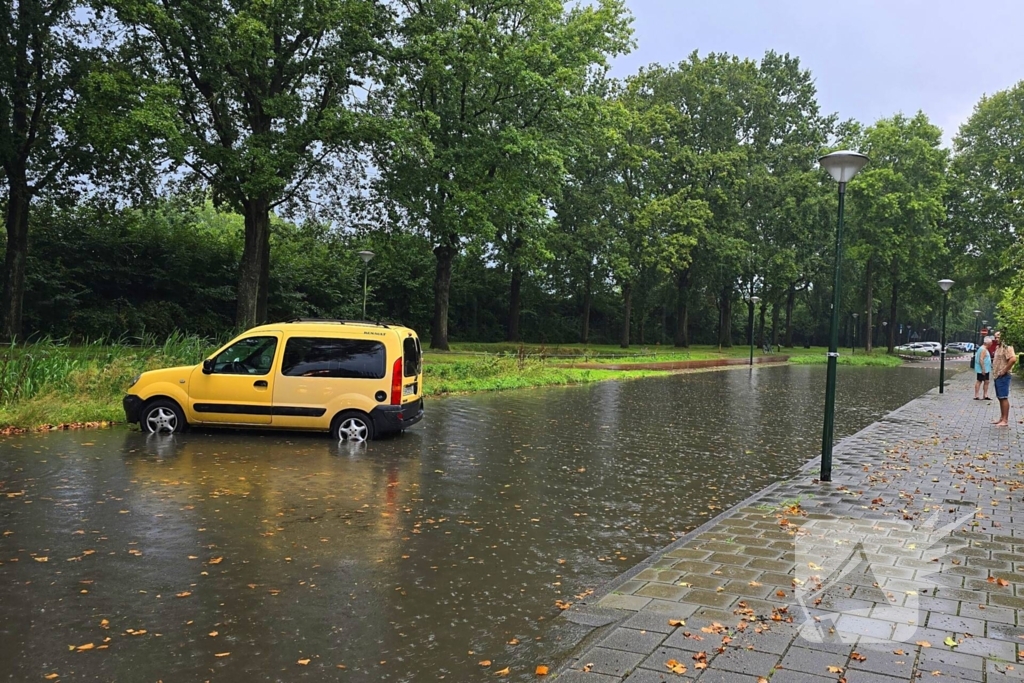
[[514, 641], [835, 669], [676, 666], [184, 594], [1003, 582], [676, 622], [899, 652], [41, 559], [504, 672], [485, 662], [52, 676], [950, 641], [222, 654], [541, 670], [83, 648], [858, 657], [212, 634], [302, 662], [216, 560], [923, 643]]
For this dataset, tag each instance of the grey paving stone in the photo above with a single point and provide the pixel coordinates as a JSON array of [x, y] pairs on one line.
[[749, 662], [585, 677], [651, 676], [787, 676], [949, 622], [662, 591], [632, 640], [856, 676], [813, 661], [611, 662], [649, 621], [656, 661], [626, 602]]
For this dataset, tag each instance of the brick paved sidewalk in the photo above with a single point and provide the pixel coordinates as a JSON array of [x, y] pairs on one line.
[[909, 565]]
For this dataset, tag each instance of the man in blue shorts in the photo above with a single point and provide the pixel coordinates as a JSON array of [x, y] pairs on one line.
[[1003, 361]]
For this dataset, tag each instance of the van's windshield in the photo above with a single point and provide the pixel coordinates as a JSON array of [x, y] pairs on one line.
[[411, 352]]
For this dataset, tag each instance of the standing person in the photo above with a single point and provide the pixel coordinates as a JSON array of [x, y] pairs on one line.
[[983, 368], [1003, 361]]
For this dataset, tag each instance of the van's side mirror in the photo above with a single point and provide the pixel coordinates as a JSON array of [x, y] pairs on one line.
[[208, 366]]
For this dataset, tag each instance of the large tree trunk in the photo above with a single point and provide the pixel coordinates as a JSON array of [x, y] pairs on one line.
[[683, 309], [514, 304], [255, 266], [442, 287], [775, 324], [19, 200], [790, 302], [627, 305], [587, 299], [760, 324], [892, 314], [870, 304], [725, 318]]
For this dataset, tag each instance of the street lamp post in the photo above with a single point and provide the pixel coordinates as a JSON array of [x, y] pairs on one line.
[[945, 285], [842, 166], [885, 337], [367, 256], [751, 302], [977, 327]]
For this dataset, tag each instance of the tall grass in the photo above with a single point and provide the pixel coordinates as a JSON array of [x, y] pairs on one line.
[[52, 381]]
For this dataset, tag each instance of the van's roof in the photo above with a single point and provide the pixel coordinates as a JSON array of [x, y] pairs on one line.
[[321, 325]]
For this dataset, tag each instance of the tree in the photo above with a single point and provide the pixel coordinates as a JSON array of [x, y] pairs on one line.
[[897, 204], [45, 62], [485, 88], [265, 98], [986, 198]]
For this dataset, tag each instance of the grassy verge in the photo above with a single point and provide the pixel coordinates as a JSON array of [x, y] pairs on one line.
[[498, 373], [863, 359], [51, 383]]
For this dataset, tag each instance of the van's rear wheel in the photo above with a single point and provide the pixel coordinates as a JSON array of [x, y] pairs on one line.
[[163, 417], [352, 426]]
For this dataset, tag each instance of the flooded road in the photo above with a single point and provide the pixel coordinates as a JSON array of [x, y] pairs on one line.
[[244, 556]]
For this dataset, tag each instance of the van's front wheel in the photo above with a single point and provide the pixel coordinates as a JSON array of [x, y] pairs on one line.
[[164, 417], [352, 426]]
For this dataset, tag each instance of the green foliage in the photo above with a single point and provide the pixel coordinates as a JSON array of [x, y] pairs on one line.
[[1011, 306]]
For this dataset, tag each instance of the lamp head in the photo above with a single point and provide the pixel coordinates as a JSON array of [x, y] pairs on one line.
[[977, 312], [754, 299], [366, 255], [843, 165], [945, 284]]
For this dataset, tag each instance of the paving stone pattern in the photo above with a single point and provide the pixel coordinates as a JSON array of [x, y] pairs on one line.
[[733, 592]]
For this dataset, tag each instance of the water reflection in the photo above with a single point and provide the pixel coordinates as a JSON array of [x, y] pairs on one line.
[[407, 559]]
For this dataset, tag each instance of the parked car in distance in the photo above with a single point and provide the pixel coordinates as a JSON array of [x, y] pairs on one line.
[[960, 347], [920, 349], [356, 380]]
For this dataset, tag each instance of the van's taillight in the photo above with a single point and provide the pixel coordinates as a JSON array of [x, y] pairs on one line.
[[396, 383]]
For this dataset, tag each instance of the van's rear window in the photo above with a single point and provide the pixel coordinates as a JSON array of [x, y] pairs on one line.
[[411, 353], [324, 357]]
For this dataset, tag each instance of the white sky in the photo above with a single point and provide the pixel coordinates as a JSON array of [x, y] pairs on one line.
[[870, 58]]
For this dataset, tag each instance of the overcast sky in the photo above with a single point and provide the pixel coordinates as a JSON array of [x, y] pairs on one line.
[[869, 58]]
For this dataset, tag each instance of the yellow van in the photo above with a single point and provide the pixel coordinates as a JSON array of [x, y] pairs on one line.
[[355, 379]]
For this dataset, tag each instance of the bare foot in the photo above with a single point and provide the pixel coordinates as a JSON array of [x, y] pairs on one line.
[[1001, 424]]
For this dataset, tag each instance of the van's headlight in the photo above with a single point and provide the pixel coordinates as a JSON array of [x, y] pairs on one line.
[[135, 380]]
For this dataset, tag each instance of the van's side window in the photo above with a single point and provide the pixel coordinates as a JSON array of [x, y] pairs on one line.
[[411, 353], [249, 356], [325, 357]]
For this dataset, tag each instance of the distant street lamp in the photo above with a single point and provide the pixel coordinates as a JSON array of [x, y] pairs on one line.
[[885, 337], [945, 285], [977, 327], [751, 302], [367, 256], [842, 166]]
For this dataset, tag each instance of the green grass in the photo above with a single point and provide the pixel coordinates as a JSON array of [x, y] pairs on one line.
[[452, 375], [862, 359], [53, 382]]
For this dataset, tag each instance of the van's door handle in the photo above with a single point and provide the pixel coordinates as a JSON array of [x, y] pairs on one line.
[[262, 383]]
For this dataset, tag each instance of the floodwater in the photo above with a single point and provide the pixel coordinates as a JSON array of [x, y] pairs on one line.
[[246, 556]]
